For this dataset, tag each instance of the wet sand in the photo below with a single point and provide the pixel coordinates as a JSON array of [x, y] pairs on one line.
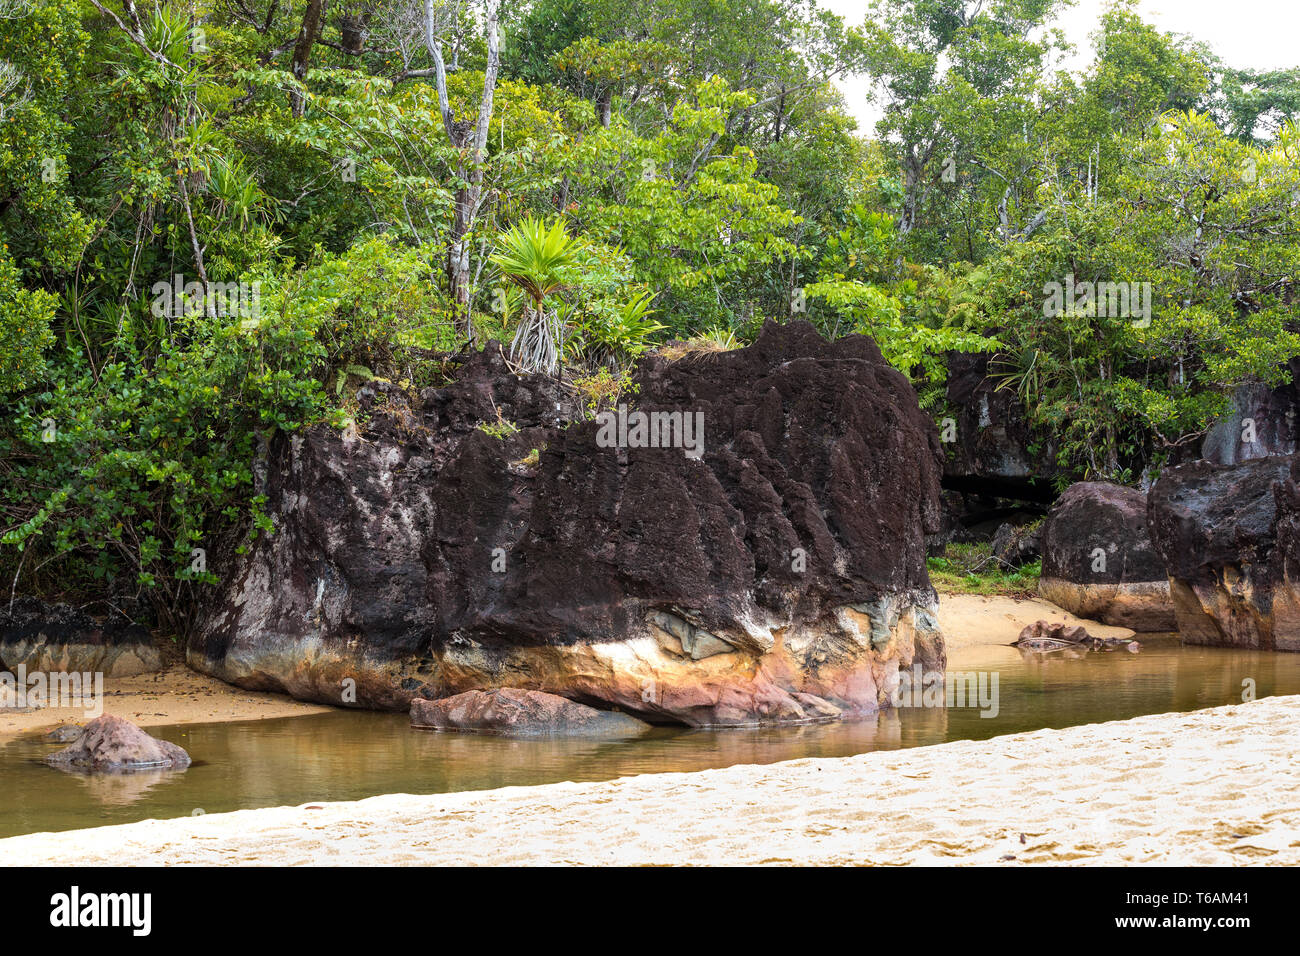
[[176, 695], [1217, 787]]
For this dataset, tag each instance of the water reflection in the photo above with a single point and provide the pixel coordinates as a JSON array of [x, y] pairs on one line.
[[120, 789], [350, 755]]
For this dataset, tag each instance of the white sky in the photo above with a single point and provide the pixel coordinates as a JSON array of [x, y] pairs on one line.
[[1246, 33]]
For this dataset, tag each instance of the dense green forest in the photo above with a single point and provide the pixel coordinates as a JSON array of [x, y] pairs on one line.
[[220, 216]]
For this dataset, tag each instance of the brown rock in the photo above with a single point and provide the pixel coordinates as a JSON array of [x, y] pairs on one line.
[[514, 712], [1050, 635], [62, 638], [1230, 536], [111, 744], [1043, 634]]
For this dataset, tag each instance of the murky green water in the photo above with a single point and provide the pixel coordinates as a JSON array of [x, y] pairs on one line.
[[350, 755]]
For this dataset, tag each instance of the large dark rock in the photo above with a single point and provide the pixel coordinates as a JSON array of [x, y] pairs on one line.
[[1262, 422], [1099, 562], [110, 744], [780, 576], [61, 638], [521, 713], [1230, 537]]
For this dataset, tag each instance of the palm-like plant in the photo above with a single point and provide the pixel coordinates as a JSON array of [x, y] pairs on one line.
[[616, 337], [236, 192], [534, 256], [1019, 370]]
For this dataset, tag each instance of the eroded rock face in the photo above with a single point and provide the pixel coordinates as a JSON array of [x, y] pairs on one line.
[[56, 638], [1099, 562], [1262, 422], [521, 713], [1230, 536], [110, 744], [779, 576]]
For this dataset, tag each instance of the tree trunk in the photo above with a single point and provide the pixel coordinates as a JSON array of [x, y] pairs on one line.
[[307, 33], [473, 152], [605, 106], [914, 164]]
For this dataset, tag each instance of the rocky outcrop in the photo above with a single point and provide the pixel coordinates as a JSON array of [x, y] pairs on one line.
[[1099, 562], [110, 744], [1261, 423], [521, 713], [58, 638], [1230, 537], [778, 576]]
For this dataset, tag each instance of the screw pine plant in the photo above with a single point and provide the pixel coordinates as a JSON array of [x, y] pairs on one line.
[[535, 257]]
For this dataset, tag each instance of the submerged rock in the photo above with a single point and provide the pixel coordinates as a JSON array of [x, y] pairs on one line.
[[1054, 635], [58, 638], [513, 712], [110, 744], [1230, 535], [1099, 562], [778, 576]]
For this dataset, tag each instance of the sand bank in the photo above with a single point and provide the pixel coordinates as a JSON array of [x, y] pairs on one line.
[[968, 620], [174, 696], [1218, 786]]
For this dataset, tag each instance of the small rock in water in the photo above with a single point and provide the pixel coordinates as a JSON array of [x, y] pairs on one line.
[[112, 745], [1049, 636], [65, 734]]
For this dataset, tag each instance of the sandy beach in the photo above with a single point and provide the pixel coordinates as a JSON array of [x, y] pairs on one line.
[[1218, 786], [969, 620], [176, 695]]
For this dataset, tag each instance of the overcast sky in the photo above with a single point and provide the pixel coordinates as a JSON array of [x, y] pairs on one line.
[[1246, 33]]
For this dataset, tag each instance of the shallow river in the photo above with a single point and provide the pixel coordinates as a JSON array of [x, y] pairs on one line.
[[350, 755]]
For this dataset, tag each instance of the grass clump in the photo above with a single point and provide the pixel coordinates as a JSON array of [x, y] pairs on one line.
[[706, 343], [974, 569]]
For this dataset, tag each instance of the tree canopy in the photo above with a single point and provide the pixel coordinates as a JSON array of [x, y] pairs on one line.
[[215, 215]]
